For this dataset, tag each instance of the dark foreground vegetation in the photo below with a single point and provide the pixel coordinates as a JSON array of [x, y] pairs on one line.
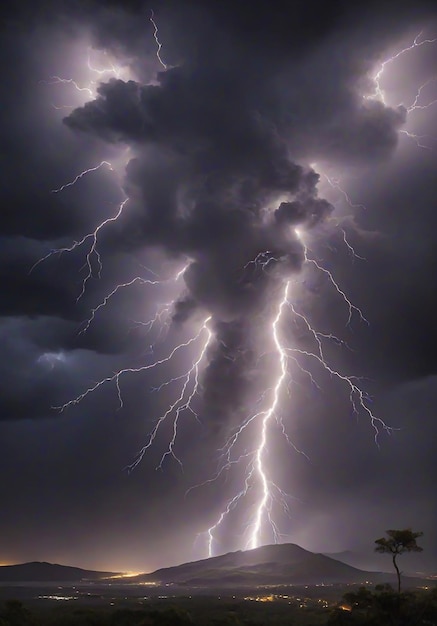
[[382, 606], [386, 607]]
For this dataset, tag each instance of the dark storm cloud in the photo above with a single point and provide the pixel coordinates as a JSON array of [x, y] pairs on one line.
[[226, 166], [218, 140], [222, 144], [32, 365], [309, 214]]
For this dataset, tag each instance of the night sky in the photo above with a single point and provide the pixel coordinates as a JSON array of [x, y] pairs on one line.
[[243, 146]]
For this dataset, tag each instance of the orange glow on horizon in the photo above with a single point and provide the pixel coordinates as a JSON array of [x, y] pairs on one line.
[[125, 575]]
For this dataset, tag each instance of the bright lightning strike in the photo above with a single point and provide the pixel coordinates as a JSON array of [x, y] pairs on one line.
[[114, 70], [416, 105], [349, 247], [379, 93], [115, 378], [419, 139], [89, 87], [335, 184], [183, 403], [255, 539], [57, 80], [82, 174], [229, 507], [92, 258], [158, 43], [257, 475], [130, 283], [351, 307], [190, 379]]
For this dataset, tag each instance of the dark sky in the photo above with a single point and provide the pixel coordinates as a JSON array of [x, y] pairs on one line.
[[260, 142]]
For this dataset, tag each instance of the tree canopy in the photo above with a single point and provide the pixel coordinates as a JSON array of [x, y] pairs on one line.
[[398, 542]]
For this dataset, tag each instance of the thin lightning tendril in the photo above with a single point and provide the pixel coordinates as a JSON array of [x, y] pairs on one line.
[[89, 88], [131, 370], [57, 80], [378, 93], [82, 174], [158, 43], [349, 247], [136, 280], [91, 255], [416, 105], [418, 139], [113, 69], [180, 404], [422, 107], [328, 273], [335, 184]]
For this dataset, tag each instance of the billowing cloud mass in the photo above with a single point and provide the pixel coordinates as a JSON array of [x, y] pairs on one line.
[[219, 143], [229, 147]]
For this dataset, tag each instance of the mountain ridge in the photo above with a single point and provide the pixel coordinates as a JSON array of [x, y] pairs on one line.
[[42, 571], [271, 564], [278, 564]]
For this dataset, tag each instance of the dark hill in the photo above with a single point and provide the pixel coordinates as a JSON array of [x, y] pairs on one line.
[[43, 572], [275, 564]]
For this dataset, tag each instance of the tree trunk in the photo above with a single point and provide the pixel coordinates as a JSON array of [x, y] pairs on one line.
[[397, 572]]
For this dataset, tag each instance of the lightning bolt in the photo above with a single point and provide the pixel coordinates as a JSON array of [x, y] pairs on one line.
[[416, 105], [82, 174], [349, 247], [184, 401], [229, 507], [259, 463], [378, 93], [161, 317], [115, 70], [89, 88], [335, 184], [115, 378], [190, 379], [92, 257], [256, 472], [341, 293], [130, 283], [156, 37], [93, 261], [57, 80], [262, 260], [418, 139]]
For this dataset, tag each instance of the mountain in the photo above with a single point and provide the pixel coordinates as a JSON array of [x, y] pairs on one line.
[[42, 572], [267, 565], [279, 564]]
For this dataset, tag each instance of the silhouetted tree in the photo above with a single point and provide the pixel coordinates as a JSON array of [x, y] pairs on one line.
[[398, 542]]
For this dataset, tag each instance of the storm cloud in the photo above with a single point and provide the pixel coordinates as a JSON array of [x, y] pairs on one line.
[[226, 157]]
